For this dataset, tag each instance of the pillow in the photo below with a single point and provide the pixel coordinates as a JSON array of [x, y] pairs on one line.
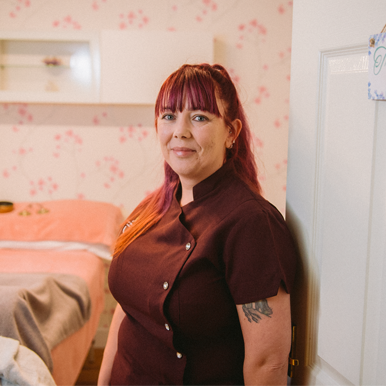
[[69, 223]]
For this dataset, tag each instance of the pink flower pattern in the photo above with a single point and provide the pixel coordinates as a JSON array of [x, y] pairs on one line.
[[131, 19], [18, 7], [263, 93], [132, 132], [7, 172], [67, 22], [109, 168], [245, 32], [259, 144], [43, 185], [285, 7], [96, 4], [99, 118], [18, 111], [207, 7], [68, 141], [250, 32]]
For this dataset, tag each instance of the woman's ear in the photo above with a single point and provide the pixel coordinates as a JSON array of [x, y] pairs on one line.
[[237, 126], [234, 132]]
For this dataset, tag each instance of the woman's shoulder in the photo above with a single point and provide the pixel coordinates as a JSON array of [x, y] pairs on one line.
[[246, 200]]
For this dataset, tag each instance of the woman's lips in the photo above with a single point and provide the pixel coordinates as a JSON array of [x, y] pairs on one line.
[[182, 151]]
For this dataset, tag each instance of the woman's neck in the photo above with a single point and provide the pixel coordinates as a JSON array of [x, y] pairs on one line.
[[186, 196]]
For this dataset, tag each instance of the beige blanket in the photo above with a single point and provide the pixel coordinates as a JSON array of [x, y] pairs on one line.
[[40, 310]]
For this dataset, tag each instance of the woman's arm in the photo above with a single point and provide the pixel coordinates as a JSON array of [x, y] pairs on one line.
[[266, 327], [111, 347]]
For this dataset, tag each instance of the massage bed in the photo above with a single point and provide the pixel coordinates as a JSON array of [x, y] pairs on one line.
[[52, 273]]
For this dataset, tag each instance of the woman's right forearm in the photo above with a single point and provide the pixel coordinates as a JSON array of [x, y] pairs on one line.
[[111, 347]]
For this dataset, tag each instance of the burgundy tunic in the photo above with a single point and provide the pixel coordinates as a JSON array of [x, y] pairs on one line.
[[180, 282]]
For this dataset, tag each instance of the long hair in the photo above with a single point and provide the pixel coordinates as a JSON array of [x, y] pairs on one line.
[[198, 87]]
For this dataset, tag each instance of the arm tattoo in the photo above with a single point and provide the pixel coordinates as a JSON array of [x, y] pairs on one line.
[[252, 310]]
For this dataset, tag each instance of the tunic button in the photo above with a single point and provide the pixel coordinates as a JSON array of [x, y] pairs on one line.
[[166, 285], [167, 326], [187, 246], [179, 355]]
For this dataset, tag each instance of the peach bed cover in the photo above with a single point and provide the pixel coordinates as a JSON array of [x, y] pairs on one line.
[[68, 357]]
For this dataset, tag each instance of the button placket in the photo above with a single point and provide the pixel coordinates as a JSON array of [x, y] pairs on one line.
[[165, 286]]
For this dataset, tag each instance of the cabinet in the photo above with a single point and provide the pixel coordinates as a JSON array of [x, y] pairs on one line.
[[108, 66], [51, 67]]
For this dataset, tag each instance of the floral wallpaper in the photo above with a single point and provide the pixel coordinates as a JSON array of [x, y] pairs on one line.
[[109, 152]]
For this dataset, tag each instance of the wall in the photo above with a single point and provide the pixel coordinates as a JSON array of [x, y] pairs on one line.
[[109, 153]]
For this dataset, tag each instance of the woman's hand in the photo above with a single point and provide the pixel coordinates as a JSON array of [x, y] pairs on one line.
[[266, 327]]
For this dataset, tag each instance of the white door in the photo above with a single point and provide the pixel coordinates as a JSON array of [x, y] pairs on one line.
[[336, 195]]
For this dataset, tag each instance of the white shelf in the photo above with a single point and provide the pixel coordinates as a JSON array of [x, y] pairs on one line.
[[109, 66], [24, 77]]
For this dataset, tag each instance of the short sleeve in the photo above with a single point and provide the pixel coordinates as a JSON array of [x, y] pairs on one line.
[[259, 254]]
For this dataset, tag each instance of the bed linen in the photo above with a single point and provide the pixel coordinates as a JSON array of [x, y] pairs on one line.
[[68, 356], [21, 366], [42, 309], [62, 225], [62, 220]]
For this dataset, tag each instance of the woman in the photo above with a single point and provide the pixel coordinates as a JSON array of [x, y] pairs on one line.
[[203, 268]]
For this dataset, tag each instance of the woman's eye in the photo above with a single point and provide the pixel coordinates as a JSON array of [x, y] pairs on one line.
[[167, 117], [200, 118]]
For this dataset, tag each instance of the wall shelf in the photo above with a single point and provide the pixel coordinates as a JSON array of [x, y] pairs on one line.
[[107, 66], [5, 66], [60, 67]]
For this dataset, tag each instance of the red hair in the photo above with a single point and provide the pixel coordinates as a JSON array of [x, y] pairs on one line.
[[198, 86]]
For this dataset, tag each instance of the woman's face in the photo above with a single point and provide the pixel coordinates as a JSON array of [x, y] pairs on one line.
[[193, 142]]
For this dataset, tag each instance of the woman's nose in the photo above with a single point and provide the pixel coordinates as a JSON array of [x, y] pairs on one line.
[[182, 129]]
